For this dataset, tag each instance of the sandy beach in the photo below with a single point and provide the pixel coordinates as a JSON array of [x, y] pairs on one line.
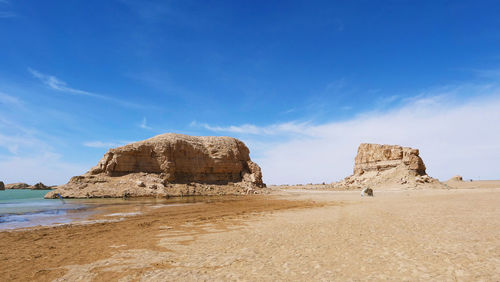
[[249, 140], [444, 235]]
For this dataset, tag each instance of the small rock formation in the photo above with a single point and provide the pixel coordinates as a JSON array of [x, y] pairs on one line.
[[20, 185], [17, 186], [169, 165], [456, 178], [39, 186], [367, 191], [387, 165], [2, 186]]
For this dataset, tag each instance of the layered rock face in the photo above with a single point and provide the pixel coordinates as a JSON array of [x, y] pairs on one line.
[[169, 164], [375, 157], [387, 166]]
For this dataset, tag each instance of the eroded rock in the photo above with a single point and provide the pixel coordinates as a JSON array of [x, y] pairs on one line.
[[169, 164], [39, 186], [456, 178], [20, 185], [367, 191], [375, 157], [384, 166], [17, 186]]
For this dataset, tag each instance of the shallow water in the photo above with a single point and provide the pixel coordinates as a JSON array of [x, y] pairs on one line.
[[23, 208], [26, 201]]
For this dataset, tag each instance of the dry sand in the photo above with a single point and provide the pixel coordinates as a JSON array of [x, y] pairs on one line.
[[297, 235]]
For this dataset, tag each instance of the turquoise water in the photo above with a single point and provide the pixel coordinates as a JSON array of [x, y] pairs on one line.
[[21, 208], [25, 200], [25, 208]]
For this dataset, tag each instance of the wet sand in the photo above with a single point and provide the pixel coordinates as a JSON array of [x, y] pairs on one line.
[[296, 235], [44, 253]]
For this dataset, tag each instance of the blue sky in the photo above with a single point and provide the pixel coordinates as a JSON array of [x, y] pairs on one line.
[[301, 82]]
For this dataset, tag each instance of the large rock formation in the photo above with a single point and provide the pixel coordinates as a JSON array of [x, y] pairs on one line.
[[375, 157], [169, 165], [2, 186], [387, 166]]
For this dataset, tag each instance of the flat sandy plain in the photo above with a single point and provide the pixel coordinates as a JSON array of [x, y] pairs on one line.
[[439, 235]]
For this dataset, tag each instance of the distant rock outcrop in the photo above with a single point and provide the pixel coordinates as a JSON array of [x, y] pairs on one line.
[[386, 165], [169, 165], [20, 185], [375, 157], [2, 186], [456, 178], [40, 186]]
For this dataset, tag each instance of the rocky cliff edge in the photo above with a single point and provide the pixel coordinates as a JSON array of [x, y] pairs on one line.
[[169, 165]]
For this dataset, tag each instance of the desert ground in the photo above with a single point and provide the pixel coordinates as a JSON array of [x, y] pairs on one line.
[[293, 234]]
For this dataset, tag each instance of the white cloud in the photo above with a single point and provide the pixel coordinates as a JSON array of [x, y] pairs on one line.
[[9, 100], [144, 124], [100, 144], [27, 155], [46, 167], [454, 137], [59, 85], [32, 160], [274, 129], [13, 143]]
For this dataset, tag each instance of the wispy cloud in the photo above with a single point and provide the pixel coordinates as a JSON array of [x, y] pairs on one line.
[[28, 153], [12, 143], [291, 110], [274, 129], [57, 84], [30, 159], [101, 144], [6, 14], [455, 136], [144, 124], [385, 101], [19, 140], [9, 100], [48, 168]]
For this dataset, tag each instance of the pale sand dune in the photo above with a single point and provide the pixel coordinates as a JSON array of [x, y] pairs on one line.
[[440, 235]]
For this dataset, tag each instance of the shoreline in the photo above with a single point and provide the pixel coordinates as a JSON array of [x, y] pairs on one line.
[[83, 211], [410, 235], [38, 253]]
